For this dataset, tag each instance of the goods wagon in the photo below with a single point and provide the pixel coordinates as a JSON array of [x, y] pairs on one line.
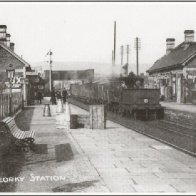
[[139, 103]]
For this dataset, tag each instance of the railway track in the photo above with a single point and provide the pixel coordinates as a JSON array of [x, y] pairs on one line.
[[183, 139], [180, 136]]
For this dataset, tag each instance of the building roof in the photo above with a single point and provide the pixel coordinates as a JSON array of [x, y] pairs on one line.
[[178, 57], [15, 55]]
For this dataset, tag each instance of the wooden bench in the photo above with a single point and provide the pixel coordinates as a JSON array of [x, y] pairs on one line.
[[23, 139]]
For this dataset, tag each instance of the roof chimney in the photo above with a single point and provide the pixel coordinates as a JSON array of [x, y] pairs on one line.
[[8, 40], [189, 36], [3, 34], [12, 46], [170, 45]]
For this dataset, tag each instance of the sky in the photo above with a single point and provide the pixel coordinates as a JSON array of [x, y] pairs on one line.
[[83, 31]]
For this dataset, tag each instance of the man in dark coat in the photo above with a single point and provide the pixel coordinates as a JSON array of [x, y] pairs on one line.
[[64, 95], [53, 97], [39, 97], [58, 95]]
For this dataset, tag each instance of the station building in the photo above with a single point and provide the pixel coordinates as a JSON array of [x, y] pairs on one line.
[[175, 72], [25, 79], [8, 56]]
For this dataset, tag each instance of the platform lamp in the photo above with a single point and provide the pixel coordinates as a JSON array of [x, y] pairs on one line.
[[10, 74]]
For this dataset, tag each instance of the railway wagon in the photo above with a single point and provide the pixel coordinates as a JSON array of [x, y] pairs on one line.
[[103, 89], [100, 93], [138, 103], [94, 93], [86, 93], [113, 100], [141, 103], [74, 90]]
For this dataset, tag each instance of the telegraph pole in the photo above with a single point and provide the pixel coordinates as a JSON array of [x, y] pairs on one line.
[[127, 58], [50, 63], [114, 52], [137, 47], [137, 59], [122, 51], [112, 57]]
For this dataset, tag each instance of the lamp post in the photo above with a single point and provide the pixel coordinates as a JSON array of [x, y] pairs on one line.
[[10, 74]]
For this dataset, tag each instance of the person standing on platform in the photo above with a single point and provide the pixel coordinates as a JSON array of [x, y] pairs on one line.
[[39, 97], [64, 95], [58, 95], [53, 97]]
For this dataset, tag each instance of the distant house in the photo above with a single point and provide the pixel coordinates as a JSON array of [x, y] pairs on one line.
[[175, 72]]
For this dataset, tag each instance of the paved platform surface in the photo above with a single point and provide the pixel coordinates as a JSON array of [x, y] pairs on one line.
[[180, 106], [114, 160], [130, 162], [74, 175]]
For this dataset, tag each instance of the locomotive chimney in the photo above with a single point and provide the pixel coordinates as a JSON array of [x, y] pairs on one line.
[[189, 36], [170, 45], [12, 46], [3, 29]]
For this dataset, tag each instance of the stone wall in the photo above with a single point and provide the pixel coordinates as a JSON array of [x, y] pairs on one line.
[[181, 117]]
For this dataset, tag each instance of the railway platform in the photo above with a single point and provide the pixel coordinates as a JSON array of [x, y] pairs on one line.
[[184, 114], [113, 160], [179, 106]]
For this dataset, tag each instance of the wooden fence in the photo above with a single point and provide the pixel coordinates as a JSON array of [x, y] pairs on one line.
[[15, 103]]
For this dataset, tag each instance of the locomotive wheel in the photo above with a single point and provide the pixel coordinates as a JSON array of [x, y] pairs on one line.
[[112, 108], [135, 115], [160, 114], [146, 115], [155, 115], [129, 113], [120, 112], [124, 113], [116, 110]]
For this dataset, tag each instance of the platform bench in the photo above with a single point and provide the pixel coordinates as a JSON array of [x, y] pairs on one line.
[[23, 139]]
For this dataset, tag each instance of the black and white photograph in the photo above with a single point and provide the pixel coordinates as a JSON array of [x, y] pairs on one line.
[[98, 98]]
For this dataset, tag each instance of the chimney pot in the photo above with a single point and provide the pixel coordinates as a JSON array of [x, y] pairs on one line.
[[189, 35], [12, 46], [8, 40], [3, 27], [170, 45], [3, 34]]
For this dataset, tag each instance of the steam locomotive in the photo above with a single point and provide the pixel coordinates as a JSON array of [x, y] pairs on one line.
[[125, 96]]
